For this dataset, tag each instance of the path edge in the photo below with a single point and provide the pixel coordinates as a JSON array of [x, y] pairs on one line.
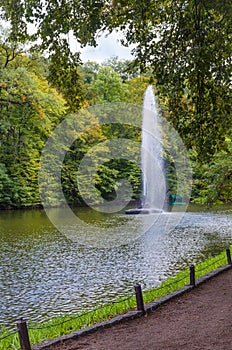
[[46, 344]]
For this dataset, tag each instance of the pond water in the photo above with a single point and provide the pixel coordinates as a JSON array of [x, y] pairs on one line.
[[44, 273]]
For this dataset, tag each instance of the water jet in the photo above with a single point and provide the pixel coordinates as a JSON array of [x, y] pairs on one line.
[[152, 164]]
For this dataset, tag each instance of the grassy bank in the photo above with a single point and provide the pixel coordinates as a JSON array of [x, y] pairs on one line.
[[213, 208], [64, 325]]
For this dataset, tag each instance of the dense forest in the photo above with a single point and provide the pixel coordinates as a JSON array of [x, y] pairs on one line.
[[183, 48]]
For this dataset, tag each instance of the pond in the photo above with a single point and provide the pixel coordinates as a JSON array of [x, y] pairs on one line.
[[44, 273]]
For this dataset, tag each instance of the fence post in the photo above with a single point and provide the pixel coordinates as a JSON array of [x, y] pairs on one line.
[[23, 335], [228, 256], [192, 275], [139, 297]]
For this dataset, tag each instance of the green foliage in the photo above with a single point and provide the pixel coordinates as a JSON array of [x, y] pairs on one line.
[[6, 188], [186, 46], [90, 135], [136, 88], [9, 50], [107, 86], [107, 174], [64, 74], [125, 68], [90, 70], [29, 111], [110, 175], [213, 180]]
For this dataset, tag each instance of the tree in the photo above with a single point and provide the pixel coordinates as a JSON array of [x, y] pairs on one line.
[[65, 76], [7, 189], [107, 86], [136, 88], [186, 44], [90, 70], [125, 68], [183, 46], [9, 50], [30, 109], [212, 180]]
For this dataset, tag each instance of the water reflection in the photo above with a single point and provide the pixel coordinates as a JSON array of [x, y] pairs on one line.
[[44, 274]]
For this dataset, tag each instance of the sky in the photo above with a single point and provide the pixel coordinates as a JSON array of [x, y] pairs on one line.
[[108, 46]]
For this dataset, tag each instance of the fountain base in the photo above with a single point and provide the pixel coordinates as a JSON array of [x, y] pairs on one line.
[[137, 211]]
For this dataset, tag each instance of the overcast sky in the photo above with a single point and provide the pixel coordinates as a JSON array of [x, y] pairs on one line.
[[107, 47]]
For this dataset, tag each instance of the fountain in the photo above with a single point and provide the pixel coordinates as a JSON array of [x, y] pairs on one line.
[[152, 164]]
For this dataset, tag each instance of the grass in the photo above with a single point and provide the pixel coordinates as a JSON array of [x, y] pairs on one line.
[[210, 264], [59, 326]]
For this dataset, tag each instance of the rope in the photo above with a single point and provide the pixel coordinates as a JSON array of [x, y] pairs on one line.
[[213, 263], [172, 283], [81, 315], [7, 336]]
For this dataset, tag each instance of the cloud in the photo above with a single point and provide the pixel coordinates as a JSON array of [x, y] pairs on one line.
[[108, 46]]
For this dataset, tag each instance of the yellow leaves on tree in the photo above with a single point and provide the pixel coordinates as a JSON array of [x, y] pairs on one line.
[[39, 109]]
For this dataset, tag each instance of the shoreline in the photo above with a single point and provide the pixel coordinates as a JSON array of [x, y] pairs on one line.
[[107, 315], [196, 320], [191, 207], [130, 316]]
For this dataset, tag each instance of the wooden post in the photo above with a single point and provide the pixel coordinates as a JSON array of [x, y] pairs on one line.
[[139, 297], [228, 256], [23, 335], [192, 276]]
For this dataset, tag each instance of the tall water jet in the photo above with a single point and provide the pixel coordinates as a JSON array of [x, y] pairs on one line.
[[153, 175], [152, 164]]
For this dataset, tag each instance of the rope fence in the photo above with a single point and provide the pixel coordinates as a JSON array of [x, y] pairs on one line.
[[134, 300], [80, 315], [210, 265]]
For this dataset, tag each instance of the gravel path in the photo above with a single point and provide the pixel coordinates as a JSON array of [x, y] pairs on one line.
[[198, 320]]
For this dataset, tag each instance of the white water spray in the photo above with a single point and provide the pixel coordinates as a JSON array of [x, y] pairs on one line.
[[152, 163], [153, 172]]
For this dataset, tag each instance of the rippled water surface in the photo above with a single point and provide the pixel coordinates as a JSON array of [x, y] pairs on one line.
[[45, 273]]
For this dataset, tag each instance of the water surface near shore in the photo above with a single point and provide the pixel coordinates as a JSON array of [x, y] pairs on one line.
[[44, 273]]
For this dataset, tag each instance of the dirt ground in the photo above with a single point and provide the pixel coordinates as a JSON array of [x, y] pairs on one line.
[[198, 320]]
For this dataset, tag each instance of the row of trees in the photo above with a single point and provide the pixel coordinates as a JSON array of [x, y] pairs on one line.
[[33, 101], [182, 47], [185, 44], [29, 110]]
